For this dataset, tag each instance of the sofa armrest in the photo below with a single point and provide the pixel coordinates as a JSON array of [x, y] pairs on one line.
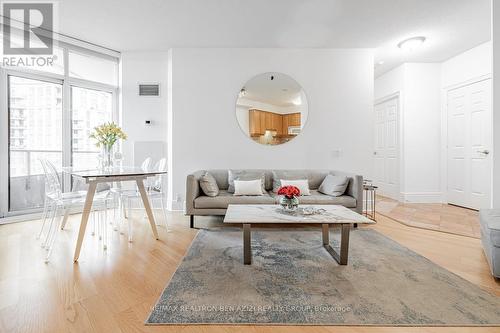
[[192, 190], [354, 189]]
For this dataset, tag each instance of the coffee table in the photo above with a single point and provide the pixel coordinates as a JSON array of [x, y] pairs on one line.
[[273, 214]]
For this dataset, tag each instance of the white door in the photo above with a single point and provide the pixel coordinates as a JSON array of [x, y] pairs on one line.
[[386, 160], [469, 145]]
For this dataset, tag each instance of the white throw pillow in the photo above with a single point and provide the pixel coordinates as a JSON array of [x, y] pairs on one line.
[[301, 184], [248, 187]]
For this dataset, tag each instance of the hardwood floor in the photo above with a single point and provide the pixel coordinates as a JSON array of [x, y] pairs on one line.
[[433, 216], [113, 290]]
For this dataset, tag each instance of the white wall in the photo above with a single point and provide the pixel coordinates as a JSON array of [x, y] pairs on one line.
[[390, 83], [471, 64], [419, 89], [204, 131], [496, 102], [422, 133], [143, 67]]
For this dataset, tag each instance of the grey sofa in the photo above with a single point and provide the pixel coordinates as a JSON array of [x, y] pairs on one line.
[[489, 220], [199, 204]]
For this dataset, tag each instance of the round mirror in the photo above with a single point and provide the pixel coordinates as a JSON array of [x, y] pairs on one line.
[[271, 108]]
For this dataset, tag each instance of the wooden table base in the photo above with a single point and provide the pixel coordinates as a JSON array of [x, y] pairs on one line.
[[340, 258]]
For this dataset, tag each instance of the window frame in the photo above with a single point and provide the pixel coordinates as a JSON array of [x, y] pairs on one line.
[[67, 130]]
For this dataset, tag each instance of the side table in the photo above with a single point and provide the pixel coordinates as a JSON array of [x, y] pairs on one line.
[[370, 192]]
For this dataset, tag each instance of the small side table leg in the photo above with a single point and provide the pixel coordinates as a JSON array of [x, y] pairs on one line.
[[247, 247]]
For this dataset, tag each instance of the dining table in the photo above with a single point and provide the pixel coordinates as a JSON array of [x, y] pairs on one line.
[[109, 175]]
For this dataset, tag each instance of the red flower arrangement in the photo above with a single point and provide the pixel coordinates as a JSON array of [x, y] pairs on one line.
[[289, 191]]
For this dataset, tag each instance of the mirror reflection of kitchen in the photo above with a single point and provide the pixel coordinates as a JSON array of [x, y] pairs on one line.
[[271, 108]]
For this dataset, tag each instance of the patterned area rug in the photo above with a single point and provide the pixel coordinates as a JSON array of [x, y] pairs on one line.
[[293, 280]]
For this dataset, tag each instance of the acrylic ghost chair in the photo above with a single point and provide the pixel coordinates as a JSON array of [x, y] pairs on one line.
[[57, 202], [155, 191], [119, 199]]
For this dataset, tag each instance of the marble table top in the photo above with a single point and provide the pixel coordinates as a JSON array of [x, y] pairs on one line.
[[331, 214]]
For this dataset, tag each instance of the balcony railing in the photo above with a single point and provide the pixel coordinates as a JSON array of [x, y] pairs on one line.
[[27, 183]]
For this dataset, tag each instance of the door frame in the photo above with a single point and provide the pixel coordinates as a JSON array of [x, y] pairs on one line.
[[444, 132], [398, 95]]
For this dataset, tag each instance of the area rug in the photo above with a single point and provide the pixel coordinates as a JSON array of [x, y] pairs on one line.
[[293, 280]]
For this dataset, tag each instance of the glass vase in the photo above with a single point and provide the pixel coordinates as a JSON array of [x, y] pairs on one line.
[[289, 204], [107, 157]]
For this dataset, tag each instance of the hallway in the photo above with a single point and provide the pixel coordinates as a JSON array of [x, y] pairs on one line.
[[439, 217]]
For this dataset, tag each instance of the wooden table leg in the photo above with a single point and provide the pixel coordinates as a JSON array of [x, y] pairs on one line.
[[341, 257], [344, 243], [326, 233], [85, 218], [147, 206], [247, 247]]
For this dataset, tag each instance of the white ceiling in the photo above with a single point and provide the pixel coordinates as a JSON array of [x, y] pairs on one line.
[[282, 90], [451, 26]]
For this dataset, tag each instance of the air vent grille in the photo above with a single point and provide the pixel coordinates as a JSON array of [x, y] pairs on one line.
[[149, 90]]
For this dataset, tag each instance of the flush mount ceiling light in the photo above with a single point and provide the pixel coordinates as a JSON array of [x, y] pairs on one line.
[[411, 44], [297, 101]]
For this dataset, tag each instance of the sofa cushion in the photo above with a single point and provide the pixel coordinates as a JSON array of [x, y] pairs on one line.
[[248, 187], [334, 185], [209, 185], [301, 184], [490, 225], [317, 198], [225, 198], [232, 175], [288, 175]]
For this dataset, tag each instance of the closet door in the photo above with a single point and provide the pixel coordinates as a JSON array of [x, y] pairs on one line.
[[386, 157], [469, 145]]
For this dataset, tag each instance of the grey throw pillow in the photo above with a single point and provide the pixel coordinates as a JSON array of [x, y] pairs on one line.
[[209, 185], [287, 175], [233, 175], [334, 185]]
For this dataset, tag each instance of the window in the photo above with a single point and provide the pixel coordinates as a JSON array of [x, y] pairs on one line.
[[90, 108], [87, 67], [57, 66], [51, 113], [35, 131]]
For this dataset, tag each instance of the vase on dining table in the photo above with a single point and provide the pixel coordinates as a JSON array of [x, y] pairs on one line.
[[107, 157], [106, 135]]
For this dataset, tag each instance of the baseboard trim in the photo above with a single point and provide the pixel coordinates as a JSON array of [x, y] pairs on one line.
[[422, 197], [175, 206]]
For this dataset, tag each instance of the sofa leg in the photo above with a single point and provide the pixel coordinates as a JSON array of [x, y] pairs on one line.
[[191, 221]]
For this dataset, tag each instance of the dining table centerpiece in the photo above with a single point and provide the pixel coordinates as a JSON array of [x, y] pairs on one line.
[[289, 200], [106, 136]]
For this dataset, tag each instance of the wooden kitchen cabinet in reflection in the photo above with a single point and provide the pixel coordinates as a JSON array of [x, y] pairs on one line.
[[260, 121]]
